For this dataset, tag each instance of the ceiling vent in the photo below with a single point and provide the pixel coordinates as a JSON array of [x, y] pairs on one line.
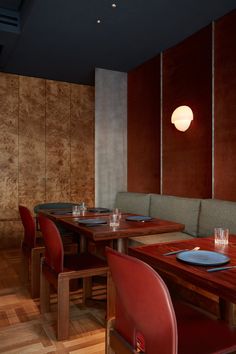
[[9, 21]]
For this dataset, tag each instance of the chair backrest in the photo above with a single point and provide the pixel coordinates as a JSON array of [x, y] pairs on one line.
[[29, 227], [54, 252], [143, 305]]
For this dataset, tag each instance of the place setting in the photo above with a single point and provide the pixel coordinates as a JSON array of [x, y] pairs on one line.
[[206, 258]]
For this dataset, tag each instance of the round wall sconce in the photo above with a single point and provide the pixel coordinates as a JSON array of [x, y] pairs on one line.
[[182, 117]]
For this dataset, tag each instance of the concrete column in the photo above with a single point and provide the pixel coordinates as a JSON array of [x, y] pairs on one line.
[[110, 136]]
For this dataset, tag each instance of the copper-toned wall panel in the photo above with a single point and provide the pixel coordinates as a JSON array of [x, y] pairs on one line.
[[144, 128], [82, 144], [11, 233], [47, 145], [8, 144], [57, 141], [31, 141], [187, 81], [225, 107]]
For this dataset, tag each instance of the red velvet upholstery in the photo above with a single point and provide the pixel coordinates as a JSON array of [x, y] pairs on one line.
[[29, 227], [144, 306]]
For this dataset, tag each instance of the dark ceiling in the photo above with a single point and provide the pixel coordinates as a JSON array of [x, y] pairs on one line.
[[61, 39]]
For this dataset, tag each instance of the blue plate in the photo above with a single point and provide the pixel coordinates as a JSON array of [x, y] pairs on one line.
[[138, 218], [203, 258], [92, 221]]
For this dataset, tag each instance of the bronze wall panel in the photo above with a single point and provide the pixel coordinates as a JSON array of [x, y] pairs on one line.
[[187, 156], [41, 155], [225, 107], [57, 141], [82, 144], [8, 144], [31, 141]]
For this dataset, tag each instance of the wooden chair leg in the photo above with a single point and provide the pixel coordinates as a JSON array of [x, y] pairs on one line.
[[109, 326], [36, 254], [24, 270], [111, 297], [44, 294], [63, 306], [87, 289]]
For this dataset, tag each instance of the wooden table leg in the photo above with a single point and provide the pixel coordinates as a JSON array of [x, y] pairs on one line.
[[122, 245], [227, 311], [83, 243]]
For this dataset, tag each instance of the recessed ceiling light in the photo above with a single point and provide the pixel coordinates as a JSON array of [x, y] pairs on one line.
[[98, 20], [113, 5]]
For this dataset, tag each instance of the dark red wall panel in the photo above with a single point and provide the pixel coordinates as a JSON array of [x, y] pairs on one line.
[[225, 107], [144, 127], [187, 156]]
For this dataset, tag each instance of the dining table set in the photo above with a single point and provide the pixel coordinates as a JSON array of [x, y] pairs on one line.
[[95, 224], [199, 261]]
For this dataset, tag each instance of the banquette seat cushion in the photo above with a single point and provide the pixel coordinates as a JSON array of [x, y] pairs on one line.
[[136, 203], [216, 213], [182, 210]]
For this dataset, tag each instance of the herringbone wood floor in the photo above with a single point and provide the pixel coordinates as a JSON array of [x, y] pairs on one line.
[[24, 330]]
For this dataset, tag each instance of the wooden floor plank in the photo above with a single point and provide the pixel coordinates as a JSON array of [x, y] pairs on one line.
[[24, 330]]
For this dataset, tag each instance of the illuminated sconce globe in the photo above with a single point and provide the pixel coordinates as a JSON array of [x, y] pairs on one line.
[[182, 117]]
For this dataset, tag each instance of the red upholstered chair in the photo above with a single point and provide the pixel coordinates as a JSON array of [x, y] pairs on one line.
[[58, 269], [32, 248], [146, 320]]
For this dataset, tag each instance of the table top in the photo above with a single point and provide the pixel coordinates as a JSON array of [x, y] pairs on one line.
[[126, 228], [57, 214], [221, 283]]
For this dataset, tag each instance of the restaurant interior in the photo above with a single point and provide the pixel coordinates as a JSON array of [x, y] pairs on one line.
[[87, 111]]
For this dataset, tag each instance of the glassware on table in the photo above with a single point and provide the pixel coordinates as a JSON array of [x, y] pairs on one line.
[[221, 236], [83, 208], [117, 212], [114, 220], [75, 210]]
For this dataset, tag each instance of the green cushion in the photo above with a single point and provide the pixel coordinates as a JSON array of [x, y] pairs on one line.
[[182, 210], [216, 213], [136, 203]]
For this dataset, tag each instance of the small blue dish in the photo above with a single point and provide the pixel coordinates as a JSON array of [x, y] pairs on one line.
[[203, 258], [138, 218]]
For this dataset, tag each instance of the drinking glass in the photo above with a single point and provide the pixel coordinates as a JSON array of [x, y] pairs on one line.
[[114, 220], [221, 236], [75, 210], [83, 208]]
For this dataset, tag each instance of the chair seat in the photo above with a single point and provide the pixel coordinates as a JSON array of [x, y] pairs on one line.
[[82, 261], [193, 326]]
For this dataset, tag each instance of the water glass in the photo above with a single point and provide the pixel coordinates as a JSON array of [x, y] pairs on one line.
[[83, 208], [221, 236], [75, 210], [114, 220], [117, 212]]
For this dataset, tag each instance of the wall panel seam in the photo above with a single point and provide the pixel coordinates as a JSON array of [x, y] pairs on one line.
[[161, 127], [213, 110]]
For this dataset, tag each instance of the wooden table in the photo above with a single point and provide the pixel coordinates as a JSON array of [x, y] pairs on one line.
[[105, 232], [221, 283]]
